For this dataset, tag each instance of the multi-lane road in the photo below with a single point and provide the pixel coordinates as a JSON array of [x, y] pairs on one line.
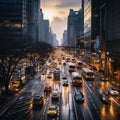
[[21, 107]]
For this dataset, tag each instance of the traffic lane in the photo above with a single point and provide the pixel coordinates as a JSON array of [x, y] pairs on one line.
[[55, 85], [105, 110], [23, 104], [103, 86], [83, 112], [20, 108]]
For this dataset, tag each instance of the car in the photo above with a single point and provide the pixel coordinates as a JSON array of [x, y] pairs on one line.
[[43, 73], [57, 68], [59, 62], [47, 89], [37, 101], [55, 94], [113, 91], [105, 97], [104, 78], [64, 63], [64, 77], [52, 110], [49, 76], [65, 82], [79, 97]]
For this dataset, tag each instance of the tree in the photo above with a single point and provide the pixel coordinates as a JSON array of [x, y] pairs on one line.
[[11, 54], [9, 58]]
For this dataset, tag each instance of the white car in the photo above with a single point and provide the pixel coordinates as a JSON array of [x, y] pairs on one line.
[[55, 94], [113, 91]]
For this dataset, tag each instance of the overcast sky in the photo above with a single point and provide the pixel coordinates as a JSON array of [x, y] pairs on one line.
[[57, 11]]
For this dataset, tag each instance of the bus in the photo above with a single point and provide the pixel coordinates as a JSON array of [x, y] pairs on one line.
[[76, 78], [79, 64], [71, 67], [88, 74]]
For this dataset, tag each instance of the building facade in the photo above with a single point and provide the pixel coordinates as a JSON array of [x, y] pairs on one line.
[[110, 37], [91, 26], [13, 21], [73, 27], [64, 39]]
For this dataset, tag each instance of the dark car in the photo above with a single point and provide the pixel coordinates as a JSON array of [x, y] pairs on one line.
[[104, 78], [65, 82], [79, 96], [47, 89], [105, 98], [37, 101]]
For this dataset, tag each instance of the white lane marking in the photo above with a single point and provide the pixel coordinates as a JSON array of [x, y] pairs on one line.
[[88, 88], [116, 102], [90, 113]]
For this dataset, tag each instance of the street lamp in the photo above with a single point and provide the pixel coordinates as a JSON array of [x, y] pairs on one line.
[[99, 59]]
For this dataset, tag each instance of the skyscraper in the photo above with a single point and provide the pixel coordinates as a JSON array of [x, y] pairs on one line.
[[13, 21], [73, 27], [91, 24]]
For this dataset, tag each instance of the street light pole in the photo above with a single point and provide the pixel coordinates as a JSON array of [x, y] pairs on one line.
[[99, 59]]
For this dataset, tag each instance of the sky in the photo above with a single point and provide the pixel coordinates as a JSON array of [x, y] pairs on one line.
[[57, 11]]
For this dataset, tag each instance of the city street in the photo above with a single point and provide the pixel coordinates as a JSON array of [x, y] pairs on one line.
[[68, 108]]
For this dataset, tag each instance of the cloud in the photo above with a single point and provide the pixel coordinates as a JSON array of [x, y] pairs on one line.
[[58, 25], [68, 3], [58, 19], [57, 12], [62, 12]]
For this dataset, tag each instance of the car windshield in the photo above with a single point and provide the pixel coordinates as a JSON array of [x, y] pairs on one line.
[[52, 108], [79, 95], [55, 92], [113, 88]]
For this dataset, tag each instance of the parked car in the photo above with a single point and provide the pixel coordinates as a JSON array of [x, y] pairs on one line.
[[52, 111], [79, 96], [37, 101], [113, 91], [105, 98], [55, 94]]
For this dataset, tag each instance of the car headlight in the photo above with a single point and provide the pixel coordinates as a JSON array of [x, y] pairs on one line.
[[55, 112], [48, 112], [103, 98]]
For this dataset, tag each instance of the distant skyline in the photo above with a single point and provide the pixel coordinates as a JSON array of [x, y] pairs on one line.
[[57, 11]]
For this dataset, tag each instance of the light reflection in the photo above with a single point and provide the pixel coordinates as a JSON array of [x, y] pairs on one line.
[[65, 95], [112, 113], [103, 111], [31, 110]]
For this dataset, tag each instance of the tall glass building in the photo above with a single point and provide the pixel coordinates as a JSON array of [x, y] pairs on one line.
[[91, 24], [110, 35], [73, 27], [13, 20]]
